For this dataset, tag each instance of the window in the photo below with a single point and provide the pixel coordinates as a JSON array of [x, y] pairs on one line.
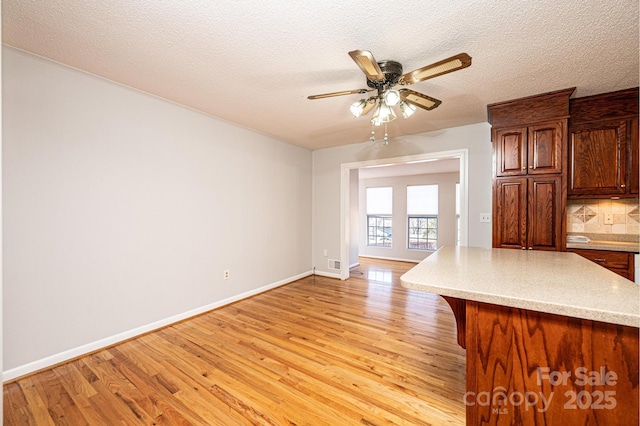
[[379, 210], [422, 212], [379, 231], [423, 232]]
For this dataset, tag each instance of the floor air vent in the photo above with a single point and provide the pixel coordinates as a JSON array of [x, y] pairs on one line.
[[334, 264]]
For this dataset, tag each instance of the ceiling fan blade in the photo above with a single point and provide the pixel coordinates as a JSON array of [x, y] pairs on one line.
[[367, 64], [445, 66], [332, 94], [419, 100]]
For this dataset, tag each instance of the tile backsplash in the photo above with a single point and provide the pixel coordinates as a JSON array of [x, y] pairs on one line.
[[589, 216]]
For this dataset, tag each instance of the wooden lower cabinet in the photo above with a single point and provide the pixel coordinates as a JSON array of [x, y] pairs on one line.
[[619, 262], [528, 213], [532, 368]]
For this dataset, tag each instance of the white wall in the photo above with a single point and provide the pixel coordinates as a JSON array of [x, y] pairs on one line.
[[122, 210], [327, 180], [446, 214]]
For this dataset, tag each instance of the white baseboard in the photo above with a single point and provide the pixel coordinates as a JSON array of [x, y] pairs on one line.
[[354, 265], [329, 274], [67, 355]]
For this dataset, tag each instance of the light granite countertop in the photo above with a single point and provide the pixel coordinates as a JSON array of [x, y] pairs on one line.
[[612, 242], [605, 245], [553, 282]]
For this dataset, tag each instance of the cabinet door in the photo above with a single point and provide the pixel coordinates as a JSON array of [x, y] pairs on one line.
[[544, 222], [510, 217], [545, 148], [597, 159], [635, 155], [510, 147]]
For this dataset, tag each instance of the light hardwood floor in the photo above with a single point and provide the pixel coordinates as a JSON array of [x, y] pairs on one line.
[[314, 352]]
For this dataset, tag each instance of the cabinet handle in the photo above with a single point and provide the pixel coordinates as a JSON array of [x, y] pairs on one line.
[[599, 259], [524, 167], [531, 167], [530, 248], [622, 186]]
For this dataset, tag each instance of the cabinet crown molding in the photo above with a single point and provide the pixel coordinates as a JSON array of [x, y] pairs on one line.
[[605, 106], [531, 109]]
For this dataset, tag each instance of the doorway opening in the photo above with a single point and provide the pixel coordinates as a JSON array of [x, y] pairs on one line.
[[349, 207]]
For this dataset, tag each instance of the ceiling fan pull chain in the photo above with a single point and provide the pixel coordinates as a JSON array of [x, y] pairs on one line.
[[373, 134], [386, 135]]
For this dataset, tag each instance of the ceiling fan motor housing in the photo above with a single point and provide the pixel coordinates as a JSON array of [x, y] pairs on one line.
[[392, 71]]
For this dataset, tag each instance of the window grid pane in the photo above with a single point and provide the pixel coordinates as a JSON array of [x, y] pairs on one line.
[[379, 231], [423, 233]]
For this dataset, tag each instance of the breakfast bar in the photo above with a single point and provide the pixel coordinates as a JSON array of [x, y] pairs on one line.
[[551, 338]]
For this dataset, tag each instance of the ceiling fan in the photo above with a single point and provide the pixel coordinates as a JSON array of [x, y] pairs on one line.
[[382, 76]]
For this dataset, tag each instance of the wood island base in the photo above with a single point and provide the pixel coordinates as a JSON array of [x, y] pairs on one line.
[[532, 368]]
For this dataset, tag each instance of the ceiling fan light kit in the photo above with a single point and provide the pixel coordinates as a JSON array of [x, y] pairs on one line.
[[392, 97], [358, 107], [382, 114], [407, 109], [382, 76]]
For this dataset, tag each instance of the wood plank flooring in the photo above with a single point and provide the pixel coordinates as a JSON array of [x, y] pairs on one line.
[[314, 352]]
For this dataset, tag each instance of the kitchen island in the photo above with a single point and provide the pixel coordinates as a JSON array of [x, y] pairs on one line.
[[551, 337]]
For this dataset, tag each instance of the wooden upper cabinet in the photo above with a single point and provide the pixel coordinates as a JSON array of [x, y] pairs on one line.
[[635, 157], [529, 150], [511, 151], [603, 146], [529, 134], [597, 159], [545, 147]]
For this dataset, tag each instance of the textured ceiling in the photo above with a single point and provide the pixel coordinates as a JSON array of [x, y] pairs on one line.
[[254, 62]]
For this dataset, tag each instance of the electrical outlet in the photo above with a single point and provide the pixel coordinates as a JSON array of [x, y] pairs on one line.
[[325, 252], [226, 274], [485, 217], [608, 218]]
